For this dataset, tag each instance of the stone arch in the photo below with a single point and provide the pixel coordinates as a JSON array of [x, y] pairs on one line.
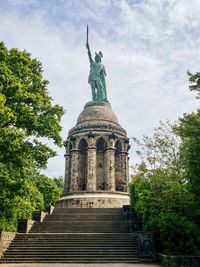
[[101, 146], [118, 166], [82, 164], [82, 145]]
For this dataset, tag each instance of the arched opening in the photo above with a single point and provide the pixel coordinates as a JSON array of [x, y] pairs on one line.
[[118, 167], [82, 165], [101, 146]]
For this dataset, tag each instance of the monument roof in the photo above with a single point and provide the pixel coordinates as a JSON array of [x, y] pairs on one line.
[[97, 116], [97, 111]]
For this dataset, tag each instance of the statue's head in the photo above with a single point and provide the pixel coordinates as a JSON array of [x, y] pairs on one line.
[[98, 57]]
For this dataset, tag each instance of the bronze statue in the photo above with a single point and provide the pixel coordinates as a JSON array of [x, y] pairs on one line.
[[97, 75]]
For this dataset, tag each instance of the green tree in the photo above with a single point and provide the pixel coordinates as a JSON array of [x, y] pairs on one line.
[[189, 131], [48, 188], [160, 193], [59, 182], [194, 80], [26, 116]]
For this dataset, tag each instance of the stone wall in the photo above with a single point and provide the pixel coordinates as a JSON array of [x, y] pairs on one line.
[[179, 261], [94, 200], [5, 240], [93, 203]]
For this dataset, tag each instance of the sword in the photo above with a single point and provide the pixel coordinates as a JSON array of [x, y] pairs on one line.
[[87, 36]]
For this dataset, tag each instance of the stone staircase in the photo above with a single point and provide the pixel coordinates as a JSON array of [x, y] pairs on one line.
[[81, 235]]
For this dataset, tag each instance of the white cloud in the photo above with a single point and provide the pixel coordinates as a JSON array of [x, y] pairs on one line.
[[185, 13]]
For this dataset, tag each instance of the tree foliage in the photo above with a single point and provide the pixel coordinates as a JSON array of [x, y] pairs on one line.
[[26, 116], [194, 80], [189, 131], [49, 189], [161, 191]]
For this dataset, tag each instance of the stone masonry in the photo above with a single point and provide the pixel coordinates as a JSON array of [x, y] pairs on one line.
[[96, 168]]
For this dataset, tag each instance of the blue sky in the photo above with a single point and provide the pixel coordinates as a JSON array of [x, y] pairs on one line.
[[148, 46]]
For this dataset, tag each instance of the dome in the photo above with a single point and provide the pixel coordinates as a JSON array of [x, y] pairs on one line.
[[97, 116], [97, 111]]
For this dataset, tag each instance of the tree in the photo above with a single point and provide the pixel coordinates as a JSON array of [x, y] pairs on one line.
[[194, 80], [189, 131], [48, 188], [160, 193], [59, 182], [26, 116]]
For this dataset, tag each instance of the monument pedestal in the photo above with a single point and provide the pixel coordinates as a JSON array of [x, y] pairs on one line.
[[98, 199]]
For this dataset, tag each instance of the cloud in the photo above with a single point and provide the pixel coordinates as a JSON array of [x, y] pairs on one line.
[[147, 51]]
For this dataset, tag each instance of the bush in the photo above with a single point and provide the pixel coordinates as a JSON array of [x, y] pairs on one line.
[[175, 234]]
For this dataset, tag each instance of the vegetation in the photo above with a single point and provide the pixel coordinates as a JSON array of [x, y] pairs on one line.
[[26, 115], [165, 188]]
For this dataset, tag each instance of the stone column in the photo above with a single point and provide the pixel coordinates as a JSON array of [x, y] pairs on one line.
[[124, 170], [91, 171], [127, 168], [74, 171], [67, 173], [110, 168]]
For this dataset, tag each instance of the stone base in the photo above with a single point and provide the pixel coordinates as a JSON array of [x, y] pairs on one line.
[[94, 200]]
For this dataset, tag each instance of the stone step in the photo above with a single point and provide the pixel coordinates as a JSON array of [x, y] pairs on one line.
[[89, 211], [51, 241], [80, 227], [83, 223], [79, 230], [59, 256], [67, 249], [84, 217], [72, 260], [78, 236], [75, 240], [65, 245], [68, 253]]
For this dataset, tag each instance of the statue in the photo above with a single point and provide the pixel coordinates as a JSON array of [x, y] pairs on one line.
[[97, 75]]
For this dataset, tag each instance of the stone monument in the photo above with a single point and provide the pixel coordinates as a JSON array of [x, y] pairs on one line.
[[96, 159]]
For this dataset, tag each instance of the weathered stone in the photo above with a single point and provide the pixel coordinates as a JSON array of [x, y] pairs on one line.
[[177, 261], [96, 160], [146, 246], [5, 240]]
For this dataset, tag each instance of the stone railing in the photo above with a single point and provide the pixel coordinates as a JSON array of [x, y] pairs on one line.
[[24, 225], [5, 240], [131, 217], [145, 240], [146, 247]]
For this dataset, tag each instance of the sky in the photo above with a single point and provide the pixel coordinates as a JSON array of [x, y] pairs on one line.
[[147, 45]]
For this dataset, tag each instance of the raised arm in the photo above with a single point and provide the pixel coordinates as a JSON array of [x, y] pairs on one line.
[[89, 53]]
